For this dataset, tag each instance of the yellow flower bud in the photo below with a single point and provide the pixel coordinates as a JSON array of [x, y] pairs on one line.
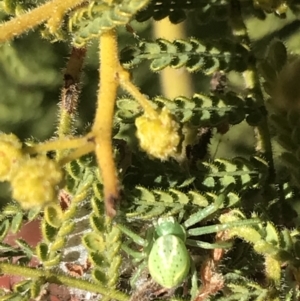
[[10, 155], [35, 182], [158, 135]]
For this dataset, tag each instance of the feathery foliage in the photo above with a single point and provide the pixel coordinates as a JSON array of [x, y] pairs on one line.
[[132, 190]]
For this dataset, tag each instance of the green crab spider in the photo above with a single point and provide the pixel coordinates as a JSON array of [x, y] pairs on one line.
[[169, 261]]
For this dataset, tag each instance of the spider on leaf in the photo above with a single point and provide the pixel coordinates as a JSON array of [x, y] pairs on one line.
[[165, 246]]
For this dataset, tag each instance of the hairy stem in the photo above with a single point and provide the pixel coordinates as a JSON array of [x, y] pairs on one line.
[[128, 86], [262, 132], [54, 277], [102, 128], [76, 154], [69, 96], [48, 11], [58, 145]]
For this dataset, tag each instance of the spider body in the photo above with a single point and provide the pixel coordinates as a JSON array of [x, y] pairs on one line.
[[169, 261]]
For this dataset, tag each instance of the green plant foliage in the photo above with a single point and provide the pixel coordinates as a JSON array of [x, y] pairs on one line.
[[90, 21], [201, 110], [227, 200], [176, 10], [194, 54]]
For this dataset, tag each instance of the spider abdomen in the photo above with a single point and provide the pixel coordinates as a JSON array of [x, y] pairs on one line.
[[169, 261]]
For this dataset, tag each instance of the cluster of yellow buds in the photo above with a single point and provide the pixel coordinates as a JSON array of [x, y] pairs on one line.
[[34, 180], [158, 134]]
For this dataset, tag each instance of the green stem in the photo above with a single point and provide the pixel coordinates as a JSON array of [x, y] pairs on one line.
[[54, 277], [69, 97], [262, 132]]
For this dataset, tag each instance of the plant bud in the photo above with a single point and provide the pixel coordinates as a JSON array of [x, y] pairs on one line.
[[10, 155], [35, 182], [158, 135]]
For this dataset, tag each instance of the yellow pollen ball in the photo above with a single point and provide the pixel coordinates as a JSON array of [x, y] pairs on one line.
[[10, 155], [35, 182], [158, 136]]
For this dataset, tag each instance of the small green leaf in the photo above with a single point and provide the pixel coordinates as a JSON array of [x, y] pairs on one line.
[[53, 261], [150, 47], [33, 213], [11, 209], [97, 206], [66, 228], [145, 194], [58, 244], [98, 259], [198, 199], [48, 232], [12, 297], [25, 247], [16, 222], [69, 213], [233, 199], [53, 215], [286, 240], [97, 223], [187, 182], [113, 236], [161, 63], [180, 61], [42, 251], [22, 286], [166, 45], [209, 182], [129, 109], [99, 276], [163, 196], [179, 196], [74, 170], [116, 263], [36, 287], [4, 227], [93, 242], [6, 247]]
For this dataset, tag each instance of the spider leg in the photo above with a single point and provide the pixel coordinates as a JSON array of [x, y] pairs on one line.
[[222, 227], [194, 280], [136, 275], [207, 245], [135, 237], [202, 214], [138, 256]]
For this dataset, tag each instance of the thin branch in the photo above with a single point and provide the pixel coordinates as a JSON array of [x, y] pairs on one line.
[[52, 11], [59, 144], [102, 128], [59, 278]]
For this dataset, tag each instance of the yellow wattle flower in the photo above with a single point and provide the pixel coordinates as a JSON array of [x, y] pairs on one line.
[[10, 155], [35, 182], [158, 135]]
